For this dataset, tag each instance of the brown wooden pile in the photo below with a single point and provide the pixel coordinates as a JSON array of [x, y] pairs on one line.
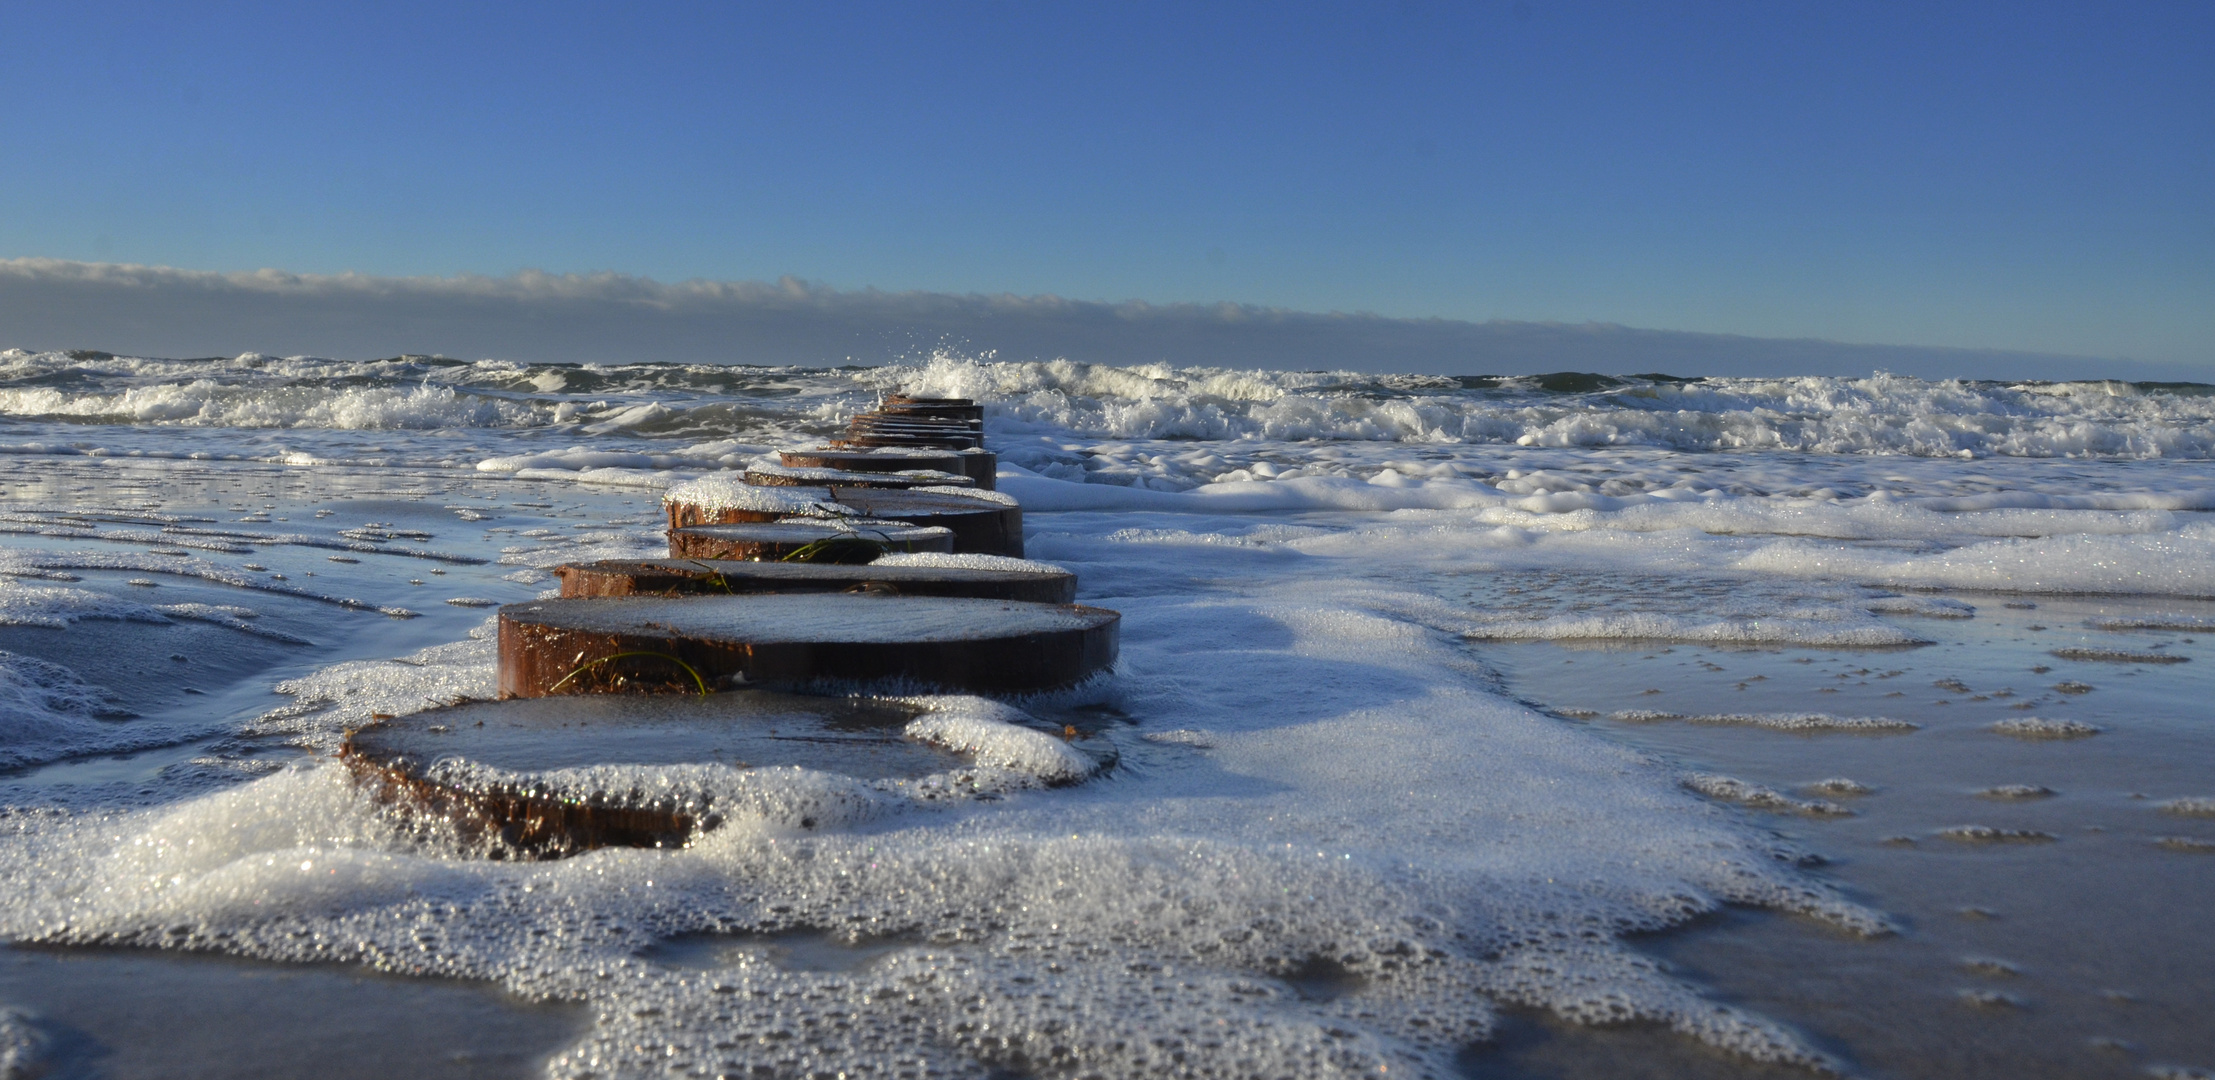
[[751, 600], [904, 422]]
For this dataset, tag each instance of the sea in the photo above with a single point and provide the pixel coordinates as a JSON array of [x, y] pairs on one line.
[[1538, 726]]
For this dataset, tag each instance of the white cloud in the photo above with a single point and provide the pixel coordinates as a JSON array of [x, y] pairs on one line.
[[606, 317]]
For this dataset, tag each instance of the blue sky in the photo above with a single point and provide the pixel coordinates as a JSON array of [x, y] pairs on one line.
[[2019, 176]]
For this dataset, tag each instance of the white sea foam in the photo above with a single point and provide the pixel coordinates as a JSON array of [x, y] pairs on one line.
[[1649, 626], [2185, 623], [2119, 656], [581, 459], [819, 477], [1333, 817], [2015, 792], [993, 735], [997, 498], [1880, 414], [727, 491], [967, 562], [1928, 607], [48, 713], [206, 403], [43, 608], [1801, 722], [2034, 727], [1841, 785], [1988, 834], [1732, 789], [1343, 782], [59, 606], [335, 699]]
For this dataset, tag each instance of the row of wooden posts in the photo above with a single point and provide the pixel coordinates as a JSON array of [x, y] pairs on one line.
[[759, 598]]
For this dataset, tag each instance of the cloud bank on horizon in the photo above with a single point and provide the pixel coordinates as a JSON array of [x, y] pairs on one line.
[[530, 316]]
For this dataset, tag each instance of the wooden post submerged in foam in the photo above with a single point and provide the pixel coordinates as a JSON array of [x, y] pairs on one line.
[[781, 476], [807, 540], [981, 466], [996, 580], [545, 777], [644, 664], [703, 644], [982, 522], [961, 410]]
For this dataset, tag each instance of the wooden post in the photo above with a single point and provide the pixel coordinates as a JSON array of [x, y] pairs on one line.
[[979, 465], [986, 523], [781, 476], [778, 541], [504, 798], [707, 643], [706, 577]]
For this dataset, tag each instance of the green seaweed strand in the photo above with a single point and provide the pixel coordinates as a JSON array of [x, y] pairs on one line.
[[589, 665]]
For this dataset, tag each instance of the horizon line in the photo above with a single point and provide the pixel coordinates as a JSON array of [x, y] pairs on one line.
[[603, 316]]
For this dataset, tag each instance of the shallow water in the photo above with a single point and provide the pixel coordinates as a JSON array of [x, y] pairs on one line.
[[1454, 717], [128, 1013], [2083, 950]]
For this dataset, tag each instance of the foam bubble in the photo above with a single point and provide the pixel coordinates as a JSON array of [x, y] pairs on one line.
[[2190, 806], [59, 606], [331, 700], [966, 562], [1799, 722], [820, 477], [2032, 727], [1996, 835], [2178, 1072], [994, 736], [1731, 789], [59, 609], [1650, 626], [2119, 656], [578, 460], [1987, 834], [996, 498], [1929, 607], [1989, 999], [231, 616], [1839, 785], [2185, 623], [727, 491], [2016, 792]]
